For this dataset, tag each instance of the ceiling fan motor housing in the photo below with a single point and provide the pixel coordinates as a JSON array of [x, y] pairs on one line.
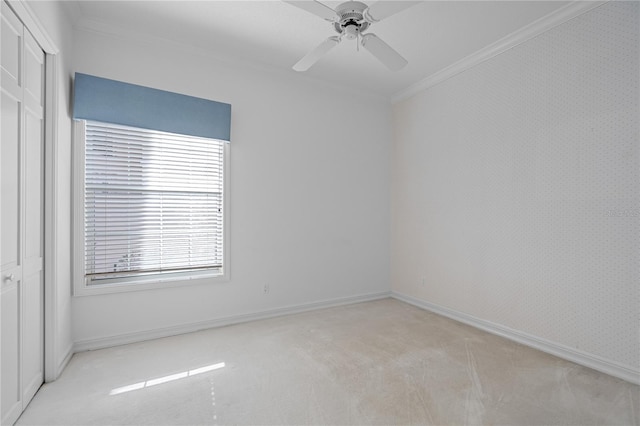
[[352, 20]]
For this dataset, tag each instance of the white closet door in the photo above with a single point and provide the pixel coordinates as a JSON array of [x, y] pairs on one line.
[[32, 260], [21, 217], [11, 235]]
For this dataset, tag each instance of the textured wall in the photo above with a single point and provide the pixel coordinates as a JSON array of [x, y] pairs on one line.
[[516, 188]]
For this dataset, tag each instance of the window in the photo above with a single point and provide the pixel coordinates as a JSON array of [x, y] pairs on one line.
[[153, 205], [150, 187]]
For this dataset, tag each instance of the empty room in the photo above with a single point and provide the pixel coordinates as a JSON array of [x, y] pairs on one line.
[[320, 212]]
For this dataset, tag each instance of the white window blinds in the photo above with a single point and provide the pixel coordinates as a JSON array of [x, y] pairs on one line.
[[153, 202]]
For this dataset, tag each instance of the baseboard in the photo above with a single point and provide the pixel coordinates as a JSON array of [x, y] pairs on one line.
[[12, 414], [570, 354], [65, 360], [123, 339], [56, 371]]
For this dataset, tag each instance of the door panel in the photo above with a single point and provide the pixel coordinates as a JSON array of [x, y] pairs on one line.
[[10, 180], [34, 70], [34, 76], [32, 340], [11, 397], [12, 31], [33, 187]]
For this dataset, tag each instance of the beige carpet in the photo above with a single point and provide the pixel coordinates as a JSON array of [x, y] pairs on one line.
[[382, 362]]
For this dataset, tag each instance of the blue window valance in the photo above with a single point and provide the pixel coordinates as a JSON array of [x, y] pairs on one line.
[[111, 101]]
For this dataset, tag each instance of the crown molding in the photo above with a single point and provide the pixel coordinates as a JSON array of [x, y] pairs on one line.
[[517, 37]]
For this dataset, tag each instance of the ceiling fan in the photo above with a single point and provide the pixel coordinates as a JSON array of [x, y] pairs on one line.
[[350, 20]]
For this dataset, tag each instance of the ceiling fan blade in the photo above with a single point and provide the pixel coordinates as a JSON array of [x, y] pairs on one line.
[[383, 9], [313, 56], [385, 53], [317, 8]]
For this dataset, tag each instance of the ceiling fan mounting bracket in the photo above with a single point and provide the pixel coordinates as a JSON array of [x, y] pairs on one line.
[[351, 20]]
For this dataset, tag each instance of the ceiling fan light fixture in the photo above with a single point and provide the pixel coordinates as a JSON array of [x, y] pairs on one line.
[[351, 32]]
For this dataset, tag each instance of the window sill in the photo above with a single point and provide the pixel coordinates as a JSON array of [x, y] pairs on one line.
[[150, 283]]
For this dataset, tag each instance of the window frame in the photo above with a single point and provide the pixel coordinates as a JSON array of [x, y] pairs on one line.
[[142, 282]]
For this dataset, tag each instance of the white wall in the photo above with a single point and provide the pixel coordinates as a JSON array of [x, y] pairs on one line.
[[310, 176], [516, 188]]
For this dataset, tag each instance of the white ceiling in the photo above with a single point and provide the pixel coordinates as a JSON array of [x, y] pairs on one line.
[[431, 35]]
